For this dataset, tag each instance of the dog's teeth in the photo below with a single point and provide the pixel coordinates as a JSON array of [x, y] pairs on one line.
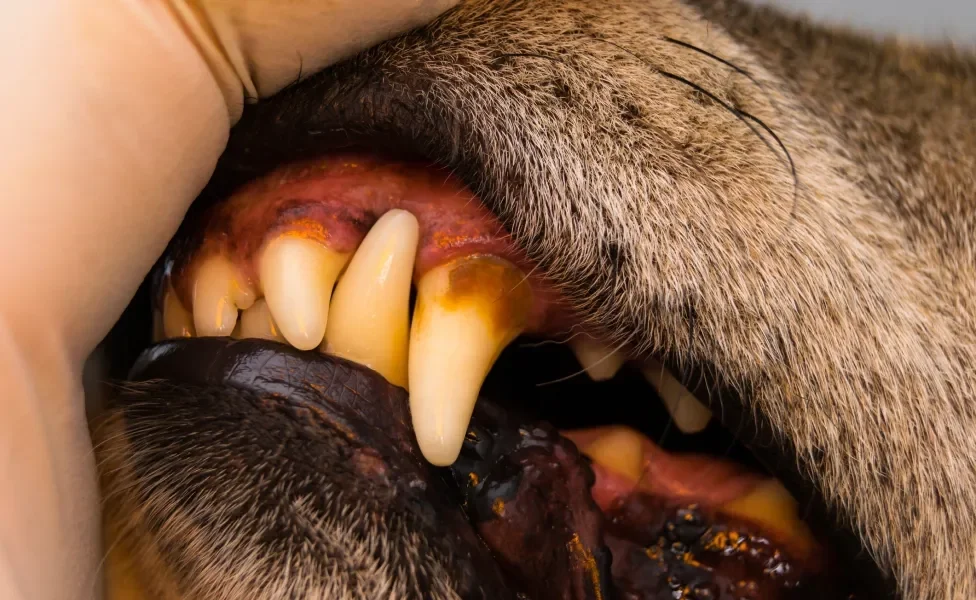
[[771, 505], [467, 311], [620, 450], [177, 322], [599, 362], [257, 322], [370, 314], [297, 276], [218, 291], [689, 414]]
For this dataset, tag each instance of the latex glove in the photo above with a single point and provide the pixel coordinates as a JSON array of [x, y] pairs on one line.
[[112, 116]]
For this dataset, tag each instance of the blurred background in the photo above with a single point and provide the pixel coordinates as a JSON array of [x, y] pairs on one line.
[[935, 20]]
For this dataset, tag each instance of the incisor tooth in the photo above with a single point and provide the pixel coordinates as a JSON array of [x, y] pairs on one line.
[[599, 362], [177, 321], [370, 314], [257, 322], [467, 311], [297, 275], [689, 414], [218, 291]]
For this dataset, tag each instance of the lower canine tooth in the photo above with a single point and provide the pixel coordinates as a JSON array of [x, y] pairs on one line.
[[689, 414], [218, 291], [599, 362], [257, 322], [370, 314], [297, 275], [177, 321], [467, 311]]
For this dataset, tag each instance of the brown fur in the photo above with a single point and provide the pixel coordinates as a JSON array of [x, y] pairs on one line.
[[839, 304]]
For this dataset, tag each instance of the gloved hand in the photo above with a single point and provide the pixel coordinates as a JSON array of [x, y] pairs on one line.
[[112, 116]]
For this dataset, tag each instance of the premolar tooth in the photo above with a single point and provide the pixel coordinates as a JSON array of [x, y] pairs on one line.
[[218, 291], [177, 321], [620, 450], [370, 314], [297, 275], [467, 311], [599, 362], [257, 322], [689, 414]]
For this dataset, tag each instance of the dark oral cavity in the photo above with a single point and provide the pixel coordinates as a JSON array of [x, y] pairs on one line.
[[530, 495]]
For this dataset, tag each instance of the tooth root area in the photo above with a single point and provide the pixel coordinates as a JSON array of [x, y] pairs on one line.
[[466, 312], [297, 276], [218, 291], [370, 314], [600, 362], [688, 413], [176, 322], [257, 322]]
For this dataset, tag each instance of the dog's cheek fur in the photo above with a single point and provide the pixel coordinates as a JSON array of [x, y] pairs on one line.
[[839, 303], [825, 300]]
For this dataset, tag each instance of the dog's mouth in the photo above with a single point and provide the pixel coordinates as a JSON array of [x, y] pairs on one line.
[[379, 301]]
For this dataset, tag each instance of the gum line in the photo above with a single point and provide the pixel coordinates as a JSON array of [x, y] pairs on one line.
[[335, 200]]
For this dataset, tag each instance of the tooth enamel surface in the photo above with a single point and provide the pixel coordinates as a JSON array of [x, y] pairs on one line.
[[218, 291], [297, 276], [599, 362], [257, 322], [689, 414], [369, 318], [466, 312], [620, 450], [177, 322]]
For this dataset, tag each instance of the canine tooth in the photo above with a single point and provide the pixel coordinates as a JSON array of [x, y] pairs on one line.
[[218, 291], [177, 321], [467, 311], [370, 314], [599, 362], [297, 275], [689, 414], [257, 322], [620, 450]]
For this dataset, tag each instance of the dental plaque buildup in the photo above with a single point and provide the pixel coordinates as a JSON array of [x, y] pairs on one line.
[[324, 255]]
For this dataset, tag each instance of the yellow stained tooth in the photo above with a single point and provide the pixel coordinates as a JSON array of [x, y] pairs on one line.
[[257, 322], [370, 313], [297, 275], [599, 362], [218, 291], [620, 450], [177, 322], [770, 504], [467, 311], [689, 414]]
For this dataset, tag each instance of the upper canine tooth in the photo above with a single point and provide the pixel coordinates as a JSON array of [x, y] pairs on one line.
[[689, 414], [370, 314], [297, 275], [467, 311], [257, 322], [218, 291], [599, 362], [177, 321]]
